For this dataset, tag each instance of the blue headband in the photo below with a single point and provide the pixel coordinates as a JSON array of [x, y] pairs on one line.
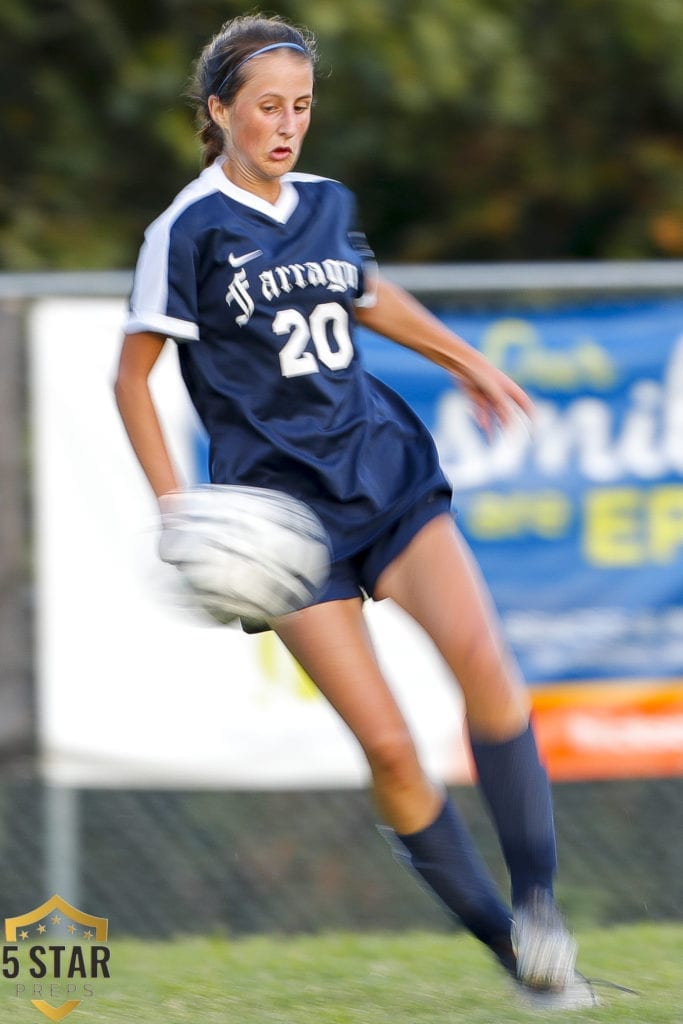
[[257, 53]]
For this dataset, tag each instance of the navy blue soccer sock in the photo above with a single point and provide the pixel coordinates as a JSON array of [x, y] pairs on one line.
[[444, 855], [517, 791]]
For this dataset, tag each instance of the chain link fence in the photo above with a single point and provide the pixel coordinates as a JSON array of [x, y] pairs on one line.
[[164, 863]]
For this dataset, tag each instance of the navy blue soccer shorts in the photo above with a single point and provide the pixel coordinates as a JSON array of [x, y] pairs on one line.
[[357, 575]]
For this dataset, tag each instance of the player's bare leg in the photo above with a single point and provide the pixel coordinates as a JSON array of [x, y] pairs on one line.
[[436, 580], [332, 644]]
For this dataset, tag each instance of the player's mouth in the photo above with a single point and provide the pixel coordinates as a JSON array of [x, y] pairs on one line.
[[281, 153]]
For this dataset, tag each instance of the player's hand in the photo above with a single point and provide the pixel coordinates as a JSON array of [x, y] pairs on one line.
[[495, 397]]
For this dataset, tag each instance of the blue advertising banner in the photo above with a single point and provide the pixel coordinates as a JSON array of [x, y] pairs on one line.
[[577, 521]]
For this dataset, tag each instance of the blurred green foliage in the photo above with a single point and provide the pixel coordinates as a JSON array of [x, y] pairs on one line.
[[470, 129]]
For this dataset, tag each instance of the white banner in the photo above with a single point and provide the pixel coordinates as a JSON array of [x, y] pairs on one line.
[[132, 690]]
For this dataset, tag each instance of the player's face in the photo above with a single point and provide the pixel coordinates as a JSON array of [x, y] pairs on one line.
[[266, 124]]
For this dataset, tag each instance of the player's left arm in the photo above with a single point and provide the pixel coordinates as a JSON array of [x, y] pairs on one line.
[[399, 316]]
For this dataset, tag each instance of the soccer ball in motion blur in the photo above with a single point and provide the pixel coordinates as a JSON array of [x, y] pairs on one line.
[[245, 551]]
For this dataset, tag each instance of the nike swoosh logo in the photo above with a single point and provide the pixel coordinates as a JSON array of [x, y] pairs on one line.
[[239, 261]]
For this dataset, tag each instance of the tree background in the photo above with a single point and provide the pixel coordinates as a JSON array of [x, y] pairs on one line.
[[470, 129]]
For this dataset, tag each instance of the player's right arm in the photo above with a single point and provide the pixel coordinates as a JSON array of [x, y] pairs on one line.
[[139, 353]]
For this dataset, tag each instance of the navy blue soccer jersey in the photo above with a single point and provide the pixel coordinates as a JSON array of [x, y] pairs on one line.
[[261, 299]]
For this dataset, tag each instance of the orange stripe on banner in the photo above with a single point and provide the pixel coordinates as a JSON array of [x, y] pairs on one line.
[[613, 730]]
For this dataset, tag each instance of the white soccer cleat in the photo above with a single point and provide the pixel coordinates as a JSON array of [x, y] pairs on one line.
[[577, 995], [545, 951]]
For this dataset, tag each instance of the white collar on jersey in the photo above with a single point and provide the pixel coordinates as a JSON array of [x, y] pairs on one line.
[[281, 210]]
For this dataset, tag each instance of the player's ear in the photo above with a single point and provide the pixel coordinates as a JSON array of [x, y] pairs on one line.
[[219, 112]]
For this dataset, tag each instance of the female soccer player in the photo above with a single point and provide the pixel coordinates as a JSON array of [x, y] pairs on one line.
[[260, 275]]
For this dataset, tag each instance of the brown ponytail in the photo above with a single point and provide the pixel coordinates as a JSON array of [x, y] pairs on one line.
[[211, 138]]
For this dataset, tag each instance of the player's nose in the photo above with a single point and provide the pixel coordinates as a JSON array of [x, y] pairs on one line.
[[287, 126]]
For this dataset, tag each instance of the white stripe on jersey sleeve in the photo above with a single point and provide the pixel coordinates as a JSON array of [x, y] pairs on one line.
[[370, 279], [157, 323], [149, 297]]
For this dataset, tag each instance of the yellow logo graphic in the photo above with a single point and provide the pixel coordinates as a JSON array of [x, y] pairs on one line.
[[56, 1012], [58, 942]]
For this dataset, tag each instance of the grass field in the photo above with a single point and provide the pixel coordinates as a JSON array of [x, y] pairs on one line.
[[417, 978]]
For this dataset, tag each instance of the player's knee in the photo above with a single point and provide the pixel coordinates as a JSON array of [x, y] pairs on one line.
[[393, 759]]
